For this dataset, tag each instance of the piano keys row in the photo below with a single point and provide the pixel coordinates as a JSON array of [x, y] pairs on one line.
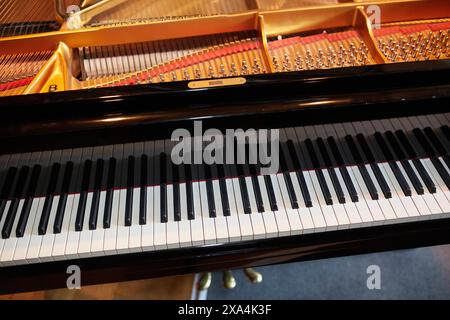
[[86, 202]]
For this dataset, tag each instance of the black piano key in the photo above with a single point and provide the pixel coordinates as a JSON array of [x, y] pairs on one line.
[[256, 188], [353, 149], [109, 193], [387, 192], [446, 131], [344, 171], [45, 215], [59, 218], [143, 191], [361, 167], [401, 179], [17, 195], [31, 192], [424, 143], [401, 136], [328, 163], [87, 167], [176, 192], [7, 189], [433, 138], [437, 144], [242, 185], [417, 163], [299, 172], [288, 181], [432, 155], [96, 195], [210, 192], [335, 151], [441, 170], [395, 169], [374, 166], [129, 194], [368, 181], [10, 217], [406, 165], [223, 191], [388, 156], [365, 148], [163, 187], [189, 192], [244, 194], [425, 176], [271, 194], [316, 164]]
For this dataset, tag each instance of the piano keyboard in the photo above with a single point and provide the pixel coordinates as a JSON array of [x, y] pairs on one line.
[[115, 199]]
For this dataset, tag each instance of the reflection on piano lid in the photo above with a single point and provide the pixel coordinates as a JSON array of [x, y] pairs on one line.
[[112, 43]]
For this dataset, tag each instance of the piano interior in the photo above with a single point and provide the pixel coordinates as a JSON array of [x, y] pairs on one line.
[[106, 77], [118, 43]]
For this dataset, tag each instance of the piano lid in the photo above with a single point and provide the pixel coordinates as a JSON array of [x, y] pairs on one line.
[[113, 43]]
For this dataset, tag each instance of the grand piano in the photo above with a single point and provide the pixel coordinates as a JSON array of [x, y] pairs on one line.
[[91, 92]]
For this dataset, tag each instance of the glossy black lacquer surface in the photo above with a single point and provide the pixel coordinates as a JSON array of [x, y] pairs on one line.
[[122, 114]]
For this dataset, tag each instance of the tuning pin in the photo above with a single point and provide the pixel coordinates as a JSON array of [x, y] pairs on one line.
[[256, 66], [211, 72], [222, 70], [198, 74], [275, 63], [244, 68], [162, 77], [233, 70], [186, 75], [298, 62], [174, 76], [286, 62]]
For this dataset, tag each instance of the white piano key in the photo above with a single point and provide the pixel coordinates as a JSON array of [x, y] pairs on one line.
[[184, 225], [270, 223], [9, 247], [59, 245], [349, 206], [259, 232], [45, 253], [171, 225], [328, 213], [281, 216], [285, 210], [366, 215], [134, 241], [376, 210], [244, 219], [98, 234], [209, 228], [407, 202], [84, 243], [317, 215], [20, 253], [159, 229], [123, 231], [220, 220], [338, 208]]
